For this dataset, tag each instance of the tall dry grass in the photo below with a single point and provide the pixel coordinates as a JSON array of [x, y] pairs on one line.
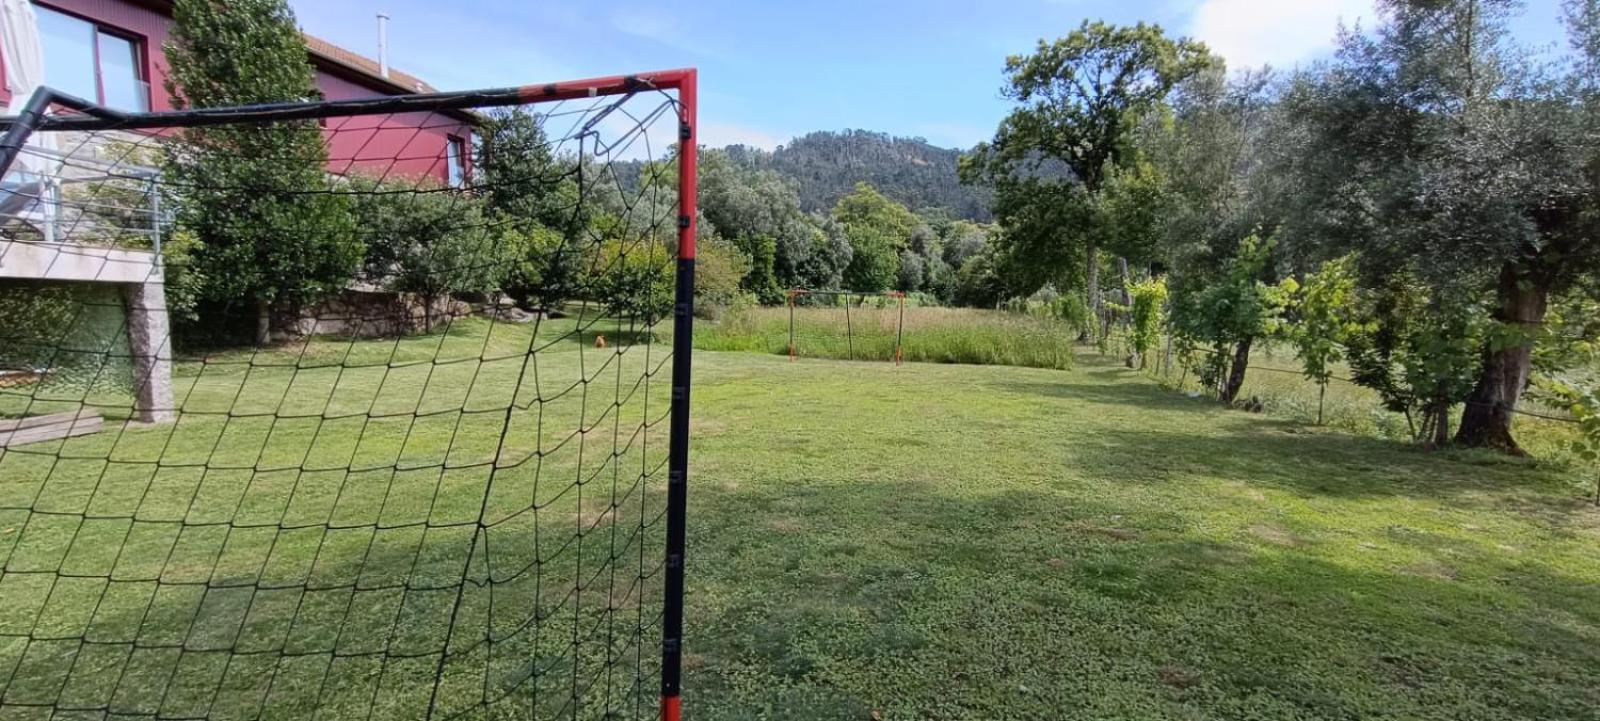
[[930, 335]]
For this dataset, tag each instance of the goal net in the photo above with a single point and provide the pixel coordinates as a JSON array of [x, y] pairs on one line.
[[848, 325], [368, 409]]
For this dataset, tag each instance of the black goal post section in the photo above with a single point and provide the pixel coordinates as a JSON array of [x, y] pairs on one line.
[[834, 298], [348, 409]]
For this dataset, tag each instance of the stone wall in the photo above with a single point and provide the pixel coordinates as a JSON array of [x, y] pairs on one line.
[[375, 314]]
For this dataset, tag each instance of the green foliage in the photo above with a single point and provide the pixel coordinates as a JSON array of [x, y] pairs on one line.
[[185, 282], [720, 270], [424, 238], [517, 175], [1420, 349], [1238, 308], [1582, 400], [978, 283], [1322, 311], [762, 277], [1147, 318], [248, 192], [759, 212], [630, 279], [878, 229], [825, 166], [543, 267], [1080, 100], [74, 333]]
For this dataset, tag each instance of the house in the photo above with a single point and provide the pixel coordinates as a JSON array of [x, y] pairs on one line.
[[110, 52]]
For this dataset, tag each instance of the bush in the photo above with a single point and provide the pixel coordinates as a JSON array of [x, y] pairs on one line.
[[426, 239]]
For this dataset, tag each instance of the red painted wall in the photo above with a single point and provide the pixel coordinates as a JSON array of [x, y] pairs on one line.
[[408, 145]]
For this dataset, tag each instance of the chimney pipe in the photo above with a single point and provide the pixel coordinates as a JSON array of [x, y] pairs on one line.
[[383, 44]]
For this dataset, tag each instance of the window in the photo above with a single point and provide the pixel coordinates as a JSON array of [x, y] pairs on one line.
[[85, 60], [455, 158]]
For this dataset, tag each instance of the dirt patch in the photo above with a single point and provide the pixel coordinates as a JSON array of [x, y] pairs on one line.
[[1178, 678], [705, 427], [595, 514], [785, 524], [1275, 535]]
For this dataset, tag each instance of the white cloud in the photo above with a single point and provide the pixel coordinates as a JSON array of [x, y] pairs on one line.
[[719, 135], [1281, 33]]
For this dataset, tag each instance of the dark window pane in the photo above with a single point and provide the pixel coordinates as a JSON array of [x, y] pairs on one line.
[[119, 74], [68, 53]]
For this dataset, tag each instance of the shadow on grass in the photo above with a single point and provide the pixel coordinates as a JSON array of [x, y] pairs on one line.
[[1195, 436], [909, 600]]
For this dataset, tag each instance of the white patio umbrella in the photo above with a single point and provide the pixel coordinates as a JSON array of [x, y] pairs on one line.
[[32, 171], [24, 59]]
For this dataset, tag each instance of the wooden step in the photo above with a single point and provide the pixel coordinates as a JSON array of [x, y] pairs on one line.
[[37, 429]]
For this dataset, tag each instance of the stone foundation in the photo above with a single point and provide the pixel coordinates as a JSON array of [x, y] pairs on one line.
[[377, 314]]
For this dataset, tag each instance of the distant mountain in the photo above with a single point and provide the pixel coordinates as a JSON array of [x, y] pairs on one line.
[[827, 165]]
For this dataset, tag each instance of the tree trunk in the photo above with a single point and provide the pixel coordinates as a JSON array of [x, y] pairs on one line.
[[1441, 426], [263, 322], [1486, 420], [1241, 363], [1092, 274]]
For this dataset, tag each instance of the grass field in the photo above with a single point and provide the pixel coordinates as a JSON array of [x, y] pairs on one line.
[[923, 542], [925, 335]]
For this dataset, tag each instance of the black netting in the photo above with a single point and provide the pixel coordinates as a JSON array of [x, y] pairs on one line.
[[431, 484]]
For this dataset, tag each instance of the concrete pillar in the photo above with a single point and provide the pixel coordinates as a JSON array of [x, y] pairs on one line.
[[150, 341]]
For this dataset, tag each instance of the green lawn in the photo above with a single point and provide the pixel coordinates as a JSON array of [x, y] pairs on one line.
[[924, 542]]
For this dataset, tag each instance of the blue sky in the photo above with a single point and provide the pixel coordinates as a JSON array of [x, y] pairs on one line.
[[772, 69]]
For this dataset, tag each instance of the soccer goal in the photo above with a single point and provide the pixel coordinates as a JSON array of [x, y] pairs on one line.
[[407, 427], [849, 325]]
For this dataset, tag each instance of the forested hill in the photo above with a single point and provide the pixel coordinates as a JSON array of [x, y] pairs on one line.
[[827, 165]]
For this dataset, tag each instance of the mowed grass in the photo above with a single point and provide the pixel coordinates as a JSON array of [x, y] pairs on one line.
[[951, 542], [870, 332], [1276, 380], [923, 542], [445, 525]]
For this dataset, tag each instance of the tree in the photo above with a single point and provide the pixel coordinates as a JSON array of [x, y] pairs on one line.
[[1437, 145], [1418, 346], [878, 229], [830, 254], [519, 177], [1147, 311], [1080, 97], [759, 212], [426, 239], [1322, 311], [248, 193], [1230, 315]]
